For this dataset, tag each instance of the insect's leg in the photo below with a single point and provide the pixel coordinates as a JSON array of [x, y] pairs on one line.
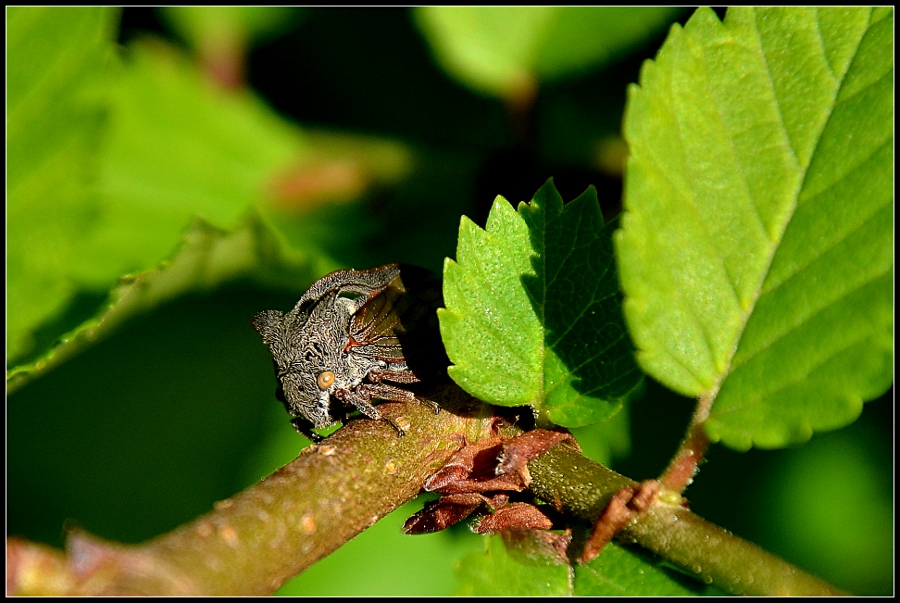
[[389, 392], [383, 391], [304, 428], [434, 405], [361, 398], [397, 428], [377, 375]]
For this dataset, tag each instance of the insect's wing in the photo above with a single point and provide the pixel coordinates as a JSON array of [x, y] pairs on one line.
[[376, 325], [361, 285], [399, 323], [364, 282]]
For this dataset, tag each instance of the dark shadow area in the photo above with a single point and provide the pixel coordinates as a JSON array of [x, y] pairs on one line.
[[82, 306], [144, 430]]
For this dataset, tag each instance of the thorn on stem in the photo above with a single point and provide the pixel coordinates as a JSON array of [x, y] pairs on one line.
[[623, 508]]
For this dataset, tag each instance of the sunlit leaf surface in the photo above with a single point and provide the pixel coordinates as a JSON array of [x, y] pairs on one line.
[[757, 248], [533, 311]]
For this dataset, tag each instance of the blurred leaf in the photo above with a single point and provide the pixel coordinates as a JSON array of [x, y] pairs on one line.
[[533, 311], [179, 147], [147, 427], [583, 38], [168, 149], [830, 495], [604, 442], [59, 60], [200, 25], [494, 572], [171, 147], [221, 36], [207, 257], [503, 51], [748, 270], [386, 562]]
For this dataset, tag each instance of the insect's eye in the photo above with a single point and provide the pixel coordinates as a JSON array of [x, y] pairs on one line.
[[324, 380]]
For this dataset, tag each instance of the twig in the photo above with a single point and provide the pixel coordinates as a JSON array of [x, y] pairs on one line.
[[253, 542], [583, 488]]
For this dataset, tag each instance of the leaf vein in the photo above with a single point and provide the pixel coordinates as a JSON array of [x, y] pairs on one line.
[[821, 361], [810, 316], [837, 242]]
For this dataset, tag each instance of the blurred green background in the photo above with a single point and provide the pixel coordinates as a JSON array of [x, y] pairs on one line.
[[347, 137]]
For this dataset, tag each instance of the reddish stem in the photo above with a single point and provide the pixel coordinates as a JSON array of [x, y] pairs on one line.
[[686, 462]]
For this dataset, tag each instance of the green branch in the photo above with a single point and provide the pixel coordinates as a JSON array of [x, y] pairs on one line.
[[255, 541], [582, 488], [252, 543]]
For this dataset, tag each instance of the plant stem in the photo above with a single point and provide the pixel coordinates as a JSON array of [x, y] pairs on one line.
[[686, 462], [581, 487], [252, 543], [255, 541]]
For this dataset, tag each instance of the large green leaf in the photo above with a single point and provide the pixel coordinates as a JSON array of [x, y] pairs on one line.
[[756, 251], [96, 195], [504, 51], [110, 163], [177, 146], [206, 257], [533, 311], [57, 62]]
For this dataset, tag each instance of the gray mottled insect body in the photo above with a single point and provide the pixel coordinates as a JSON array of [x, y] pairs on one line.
[[347, 337]]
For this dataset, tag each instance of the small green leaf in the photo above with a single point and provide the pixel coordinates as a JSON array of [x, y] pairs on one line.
[[504, 51], [756, 251], [495, 572], [206, 258], [621, 572], [615, 572], [489, 327], [533, 311]]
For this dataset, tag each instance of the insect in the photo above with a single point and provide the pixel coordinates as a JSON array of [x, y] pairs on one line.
[[354, 337]]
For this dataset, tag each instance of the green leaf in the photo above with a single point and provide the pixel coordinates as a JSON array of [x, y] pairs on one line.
[[58, 61], [756, 251], [834, 495], [215, 25], [503, 570], [533, 311], [494, 572], [110, 163], [177, 147], [418, 566], [621, 572], [504, 51], [207, 257]]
